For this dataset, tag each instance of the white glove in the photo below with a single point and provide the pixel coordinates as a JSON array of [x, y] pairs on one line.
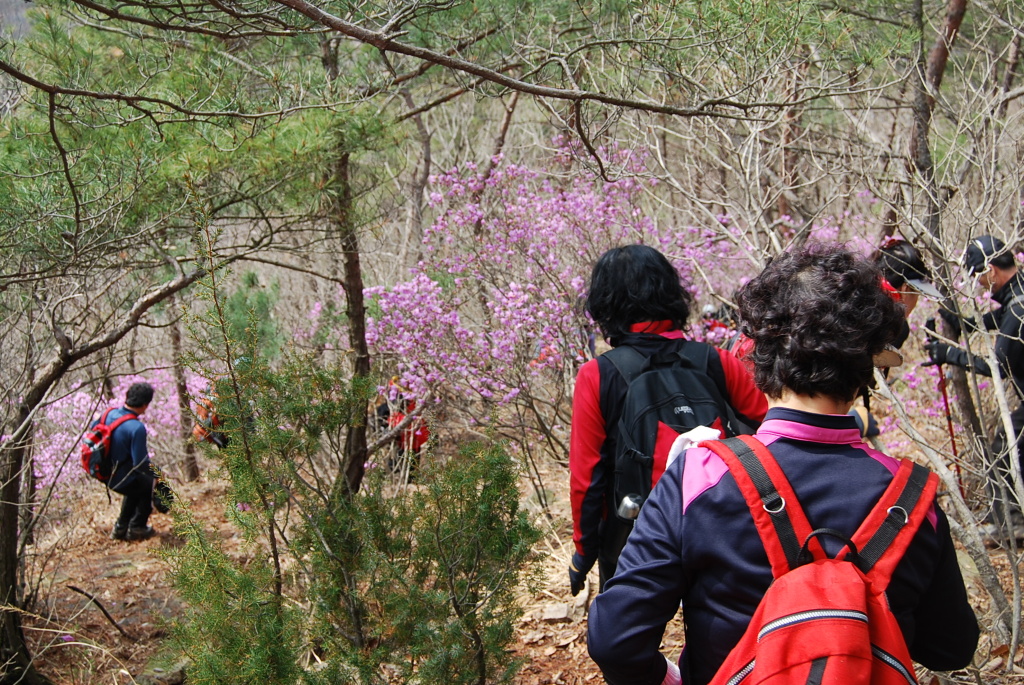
[[691, 438]]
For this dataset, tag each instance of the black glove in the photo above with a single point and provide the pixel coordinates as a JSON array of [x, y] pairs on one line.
[[950, 318], [938, 352], [578, 569]]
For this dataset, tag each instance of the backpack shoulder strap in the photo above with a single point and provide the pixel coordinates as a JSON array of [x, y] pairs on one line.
[[780, 520], [628, 361], [887, 532], [698, 355], [121, 419], [103, 419], [705, 358]]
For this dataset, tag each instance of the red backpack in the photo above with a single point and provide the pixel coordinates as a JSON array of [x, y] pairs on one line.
[[96, 446], [823, 620]]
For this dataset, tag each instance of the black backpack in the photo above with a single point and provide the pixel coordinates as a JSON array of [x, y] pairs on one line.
[[669, 393]]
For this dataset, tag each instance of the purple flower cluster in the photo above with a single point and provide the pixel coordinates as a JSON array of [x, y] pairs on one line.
[[496, 300]]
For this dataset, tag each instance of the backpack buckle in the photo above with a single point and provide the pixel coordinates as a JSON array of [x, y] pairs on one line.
[[896, 510], [639, 457], [780, 500]]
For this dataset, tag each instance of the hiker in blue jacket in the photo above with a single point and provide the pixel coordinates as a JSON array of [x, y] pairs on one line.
[[820, 322], [133, 476]]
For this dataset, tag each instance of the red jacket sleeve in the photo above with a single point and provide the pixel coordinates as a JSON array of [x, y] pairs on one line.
[[744, 396], [587, 474]]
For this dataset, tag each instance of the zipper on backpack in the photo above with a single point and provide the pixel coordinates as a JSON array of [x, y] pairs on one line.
[[741, 675], [894, 663], [805, 616]]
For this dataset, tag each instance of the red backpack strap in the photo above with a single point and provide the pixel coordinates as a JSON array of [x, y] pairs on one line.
[[888, 530], [780, 520], [119, 420], [103, 419]]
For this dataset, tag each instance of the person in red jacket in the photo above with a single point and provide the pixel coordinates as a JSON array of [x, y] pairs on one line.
[[637, 299]]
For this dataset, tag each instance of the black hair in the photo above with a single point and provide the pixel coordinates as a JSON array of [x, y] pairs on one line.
[[817, 316], [139, 395], [900, 261], [635, 283]]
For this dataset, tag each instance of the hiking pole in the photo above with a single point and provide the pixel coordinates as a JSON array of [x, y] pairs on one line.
[[929, 332]]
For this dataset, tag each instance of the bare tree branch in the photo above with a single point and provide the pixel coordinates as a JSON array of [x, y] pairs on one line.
[[386, 43]]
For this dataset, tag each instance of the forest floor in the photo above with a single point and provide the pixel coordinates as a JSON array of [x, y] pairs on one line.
[[75, 643]]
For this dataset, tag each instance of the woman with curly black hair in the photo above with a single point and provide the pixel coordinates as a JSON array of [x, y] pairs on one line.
[[637, 299], [817, 319], [820, 322]]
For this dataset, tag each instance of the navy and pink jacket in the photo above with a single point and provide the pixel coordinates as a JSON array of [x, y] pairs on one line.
[[695, 543], [596, 406]]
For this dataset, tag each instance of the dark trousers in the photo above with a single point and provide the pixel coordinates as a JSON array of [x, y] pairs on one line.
[[999, 485], [137, 504], [614, 532]]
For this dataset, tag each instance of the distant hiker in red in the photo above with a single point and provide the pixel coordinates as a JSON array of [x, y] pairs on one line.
[[820, 322], [132, 475], [414, 435], [207, 427], [636, 298], [906, 278]]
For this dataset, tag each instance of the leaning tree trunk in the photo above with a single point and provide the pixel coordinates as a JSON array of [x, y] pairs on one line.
[[15, 659], [926, 86]]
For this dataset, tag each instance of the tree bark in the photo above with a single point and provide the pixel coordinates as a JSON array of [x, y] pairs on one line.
[[788, 156], [417, 186], [15, 659], [929, 77], [342, 225], [189, 464]]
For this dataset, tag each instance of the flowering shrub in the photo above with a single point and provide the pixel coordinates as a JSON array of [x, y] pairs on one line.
[[494, 310], [496, 302]]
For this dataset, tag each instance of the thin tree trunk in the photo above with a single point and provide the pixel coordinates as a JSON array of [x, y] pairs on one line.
[[15, 660], [929, 78], [342, 225], [417, 186], [344, 230], [189, 464], [788, 154]]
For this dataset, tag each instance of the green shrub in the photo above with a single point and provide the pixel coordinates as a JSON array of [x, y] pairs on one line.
[[384, 585]]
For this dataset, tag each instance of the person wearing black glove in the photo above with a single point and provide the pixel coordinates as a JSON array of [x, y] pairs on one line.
[[988, 258], [940, 353], [579, 567], [993, 263]]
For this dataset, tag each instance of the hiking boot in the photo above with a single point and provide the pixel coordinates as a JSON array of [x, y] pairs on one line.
[[135, 534], [119, 533]]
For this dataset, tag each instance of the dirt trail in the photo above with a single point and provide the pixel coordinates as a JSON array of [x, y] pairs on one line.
[[76, 643]]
